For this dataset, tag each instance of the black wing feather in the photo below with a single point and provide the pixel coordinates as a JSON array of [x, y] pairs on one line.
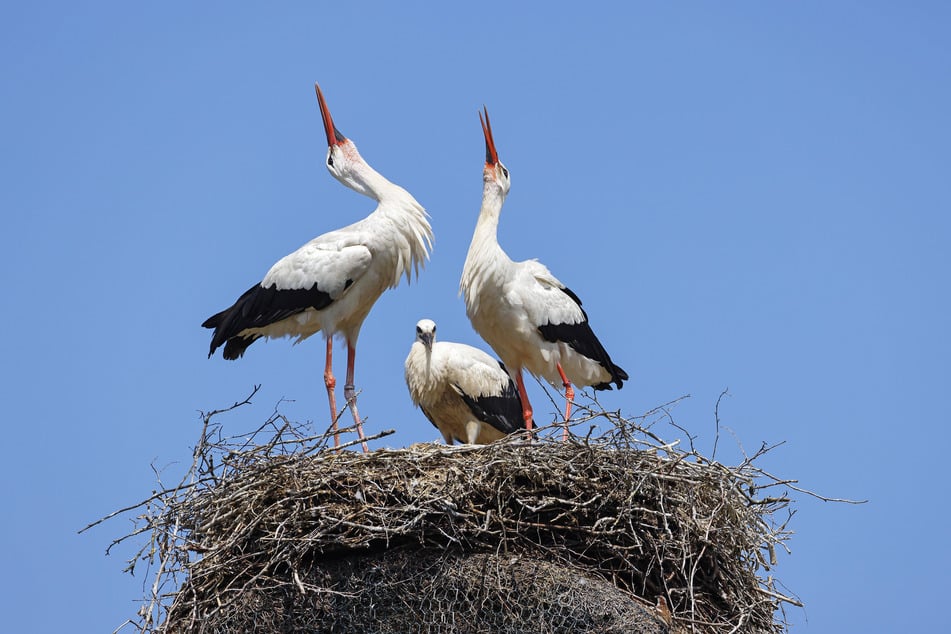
[[259, 307], [582, 339], [502, 411]]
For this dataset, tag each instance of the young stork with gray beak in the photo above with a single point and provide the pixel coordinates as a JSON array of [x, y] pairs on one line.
[[331, 283], [530, 319], [466, 394]]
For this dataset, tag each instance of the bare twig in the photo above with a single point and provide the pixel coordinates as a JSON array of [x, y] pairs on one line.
[[716, 416]]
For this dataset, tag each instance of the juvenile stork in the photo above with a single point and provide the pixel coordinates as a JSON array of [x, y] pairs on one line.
[[331, 283], [530, 319], [466, 394]]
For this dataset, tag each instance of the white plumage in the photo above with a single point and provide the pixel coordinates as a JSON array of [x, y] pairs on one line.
[[525, 313], [331, 283], [465, 393]]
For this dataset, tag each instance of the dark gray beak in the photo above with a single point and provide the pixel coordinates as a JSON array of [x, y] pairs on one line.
[[427, 339]]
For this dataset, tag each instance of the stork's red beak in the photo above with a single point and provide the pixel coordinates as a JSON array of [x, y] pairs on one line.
[[491, 156], [334, 136]]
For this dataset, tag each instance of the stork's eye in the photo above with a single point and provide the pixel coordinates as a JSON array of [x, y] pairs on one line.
[[505, 172], [330, 161], [419, 330]]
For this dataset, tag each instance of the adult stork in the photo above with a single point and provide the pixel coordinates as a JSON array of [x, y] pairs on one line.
[[331, 283], [466, 394], [530, 319]]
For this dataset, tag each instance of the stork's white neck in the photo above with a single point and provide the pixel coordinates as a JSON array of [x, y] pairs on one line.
[[428, 362], [486, 231], [420, 375], [363, 179], [485, 257]]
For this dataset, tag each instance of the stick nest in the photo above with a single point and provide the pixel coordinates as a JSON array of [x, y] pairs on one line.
[[277, 532]]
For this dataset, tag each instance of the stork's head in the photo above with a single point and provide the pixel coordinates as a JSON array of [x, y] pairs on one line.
[[426, 332], [494, 171], [343, 160]]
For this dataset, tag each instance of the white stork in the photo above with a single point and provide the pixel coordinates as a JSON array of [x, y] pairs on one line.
[[331, 283], [530, 319], [465, 393]]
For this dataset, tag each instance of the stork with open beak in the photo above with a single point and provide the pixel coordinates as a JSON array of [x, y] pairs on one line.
[[465, 393], [530, 319], [330, 284]]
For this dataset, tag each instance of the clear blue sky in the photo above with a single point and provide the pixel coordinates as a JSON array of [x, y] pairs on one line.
[[747, 195]]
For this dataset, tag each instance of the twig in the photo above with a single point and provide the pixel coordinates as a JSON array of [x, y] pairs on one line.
[[716, 416]]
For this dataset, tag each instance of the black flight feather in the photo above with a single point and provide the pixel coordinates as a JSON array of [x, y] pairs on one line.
[[582, 339], [502, 411], [259, 307]]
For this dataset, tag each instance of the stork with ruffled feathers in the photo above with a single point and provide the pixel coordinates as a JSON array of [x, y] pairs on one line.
[[330, 284], [531, 320]]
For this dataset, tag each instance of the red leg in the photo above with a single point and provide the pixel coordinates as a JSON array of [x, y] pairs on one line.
[[569, 397], [526, 406], [331, 383], [351, 395]]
